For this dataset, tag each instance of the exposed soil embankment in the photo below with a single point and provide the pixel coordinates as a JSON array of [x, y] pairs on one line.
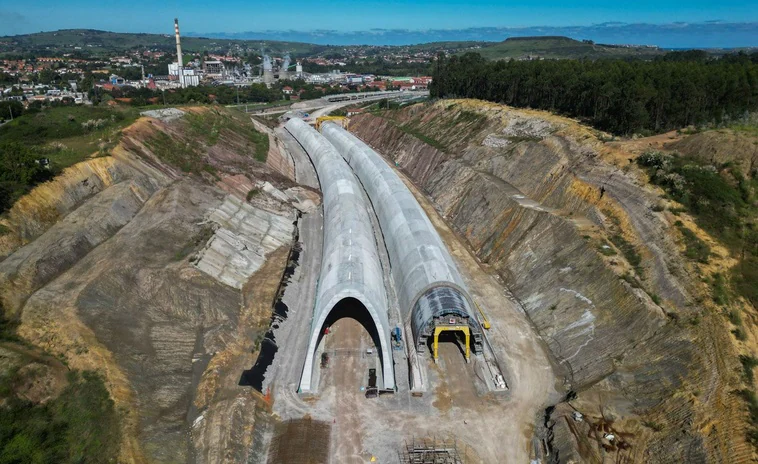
[[98, 269], [576, 239]]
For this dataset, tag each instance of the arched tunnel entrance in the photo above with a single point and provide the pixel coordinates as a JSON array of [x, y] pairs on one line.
[[348, 347]]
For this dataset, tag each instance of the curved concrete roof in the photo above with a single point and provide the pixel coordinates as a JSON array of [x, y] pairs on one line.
[[350, 266], [426, 278]]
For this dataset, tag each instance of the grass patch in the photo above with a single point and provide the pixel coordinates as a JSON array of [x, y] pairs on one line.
[[735, 318], [260, 141], [629, 252], [63, 135], [7, 327], [752, 406], [719, 290], [723, 201], [695, 249], [656, 299], [739, 334], [252, 193], [412, 131], [80, 426], [606, 249], [37, 128], [198, 240], [748, 363], [174, 151], [210, 126], [655, 426], [631, 280]]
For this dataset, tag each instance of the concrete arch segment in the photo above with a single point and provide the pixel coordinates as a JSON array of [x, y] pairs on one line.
[[426, 278], [350, 266]]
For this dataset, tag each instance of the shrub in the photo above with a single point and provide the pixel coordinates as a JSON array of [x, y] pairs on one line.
[[654, 159], [739, 334], [80, 426], [629, 251], [719, 290], [695, 248], [748, 363]]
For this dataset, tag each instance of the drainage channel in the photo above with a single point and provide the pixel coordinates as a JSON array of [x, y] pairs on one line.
[[256, 375]]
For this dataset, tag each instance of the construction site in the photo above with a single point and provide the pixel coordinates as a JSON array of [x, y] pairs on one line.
[[437, 282], [384, 335]]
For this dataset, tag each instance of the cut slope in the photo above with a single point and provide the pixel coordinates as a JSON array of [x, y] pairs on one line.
[[597, 270], [99, 274]]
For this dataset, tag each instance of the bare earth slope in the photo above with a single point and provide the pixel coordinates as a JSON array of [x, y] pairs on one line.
[[572, 230], [100, 269]]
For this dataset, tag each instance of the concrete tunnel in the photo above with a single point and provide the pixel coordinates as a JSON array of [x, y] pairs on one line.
[[431, 292], [350, 266]]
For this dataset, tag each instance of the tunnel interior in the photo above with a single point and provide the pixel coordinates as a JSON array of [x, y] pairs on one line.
[[452, 337], [353, 308]]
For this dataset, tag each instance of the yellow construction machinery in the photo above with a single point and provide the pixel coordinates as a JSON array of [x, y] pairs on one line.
[[341, 120], [485, 321], [450, 328]]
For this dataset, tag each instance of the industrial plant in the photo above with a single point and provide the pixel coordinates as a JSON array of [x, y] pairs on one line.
[[216, 72]]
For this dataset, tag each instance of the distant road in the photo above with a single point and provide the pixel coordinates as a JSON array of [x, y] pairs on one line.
[[344, 99]]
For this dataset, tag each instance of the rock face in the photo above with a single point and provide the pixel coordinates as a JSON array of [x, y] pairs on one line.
[[48, 203], [535, 198], [98, 272]]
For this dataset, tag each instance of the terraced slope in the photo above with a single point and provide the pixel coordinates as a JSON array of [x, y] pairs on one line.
[[122, 265]]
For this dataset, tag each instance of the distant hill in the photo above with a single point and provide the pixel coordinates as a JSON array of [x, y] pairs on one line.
[[101, 43], [557, 47]]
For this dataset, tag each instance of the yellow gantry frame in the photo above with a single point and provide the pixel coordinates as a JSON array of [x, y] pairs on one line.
[[450, 328], [341, 119]]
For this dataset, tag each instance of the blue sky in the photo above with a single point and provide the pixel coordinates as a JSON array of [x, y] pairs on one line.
[[341, 15]]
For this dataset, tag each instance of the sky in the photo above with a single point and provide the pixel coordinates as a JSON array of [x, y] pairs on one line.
[[243, 16]]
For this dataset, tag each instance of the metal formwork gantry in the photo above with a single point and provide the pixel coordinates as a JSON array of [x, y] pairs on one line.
[[450, 328]]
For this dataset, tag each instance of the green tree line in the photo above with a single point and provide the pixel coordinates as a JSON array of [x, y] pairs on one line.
[[225, 95], [618, 96]]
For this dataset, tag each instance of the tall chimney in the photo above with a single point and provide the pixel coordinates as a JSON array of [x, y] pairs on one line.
[[179, 52]]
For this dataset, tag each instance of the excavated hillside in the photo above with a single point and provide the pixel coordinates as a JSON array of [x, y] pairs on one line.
[[590, 250], [157, 266]]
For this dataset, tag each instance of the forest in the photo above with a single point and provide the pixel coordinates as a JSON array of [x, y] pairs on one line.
[[619, 96]]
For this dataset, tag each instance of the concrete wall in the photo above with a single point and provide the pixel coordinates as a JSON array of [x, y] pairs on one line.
[[350, 264], [426, 278]]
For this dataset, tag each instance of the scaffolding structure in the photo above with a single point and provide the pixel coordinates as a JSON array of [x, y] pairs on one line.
[[434, 451]]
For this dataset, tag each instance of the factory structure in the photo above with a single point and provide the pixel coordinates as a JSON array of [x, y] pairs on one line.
[[431, 296], [270, 70], [231, 70]]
